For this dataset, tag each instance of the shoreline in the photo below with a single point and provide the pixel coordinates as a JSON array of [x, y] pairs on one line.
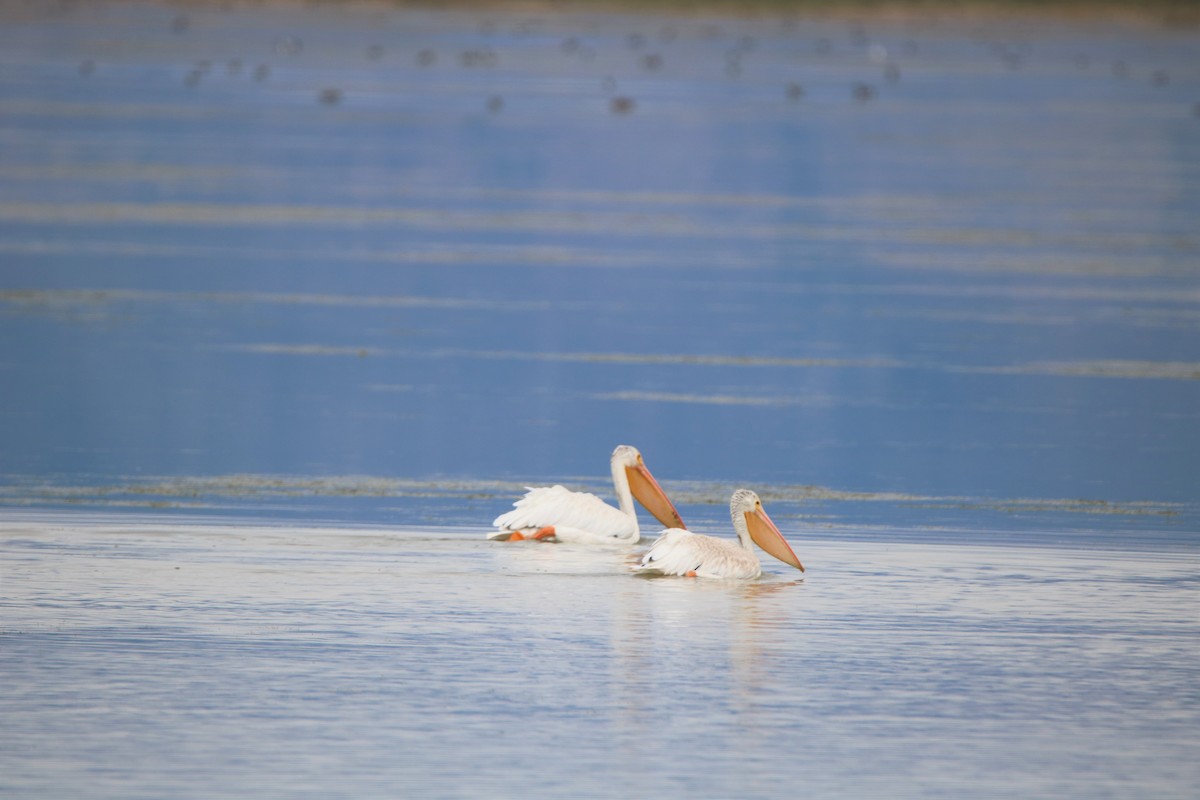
[[1172, 14]]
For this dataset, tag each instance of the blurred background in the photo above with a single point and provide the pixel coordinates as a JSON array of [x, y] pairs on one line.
[[382, 262], [295, 297]]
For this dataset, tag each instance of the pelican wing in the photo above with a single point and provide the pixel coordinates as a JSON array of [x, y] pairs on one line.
[[679, 552], [562, 508]]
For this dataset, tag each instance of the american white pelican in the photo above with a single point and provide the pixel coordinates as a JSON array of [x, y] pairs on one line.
[[680, 552], [554, 512]]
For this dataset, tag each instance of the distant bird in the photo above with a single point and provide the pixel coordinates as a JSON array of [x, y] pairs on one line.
[[863, 92], [478, 57], [289, 46], [330, 96], [622, 105], [694, 555], [555, 512]]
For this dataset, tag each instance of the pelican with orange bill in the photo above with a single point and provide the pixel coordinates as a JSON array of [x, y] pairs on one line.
[[694, 555], [555, 513]]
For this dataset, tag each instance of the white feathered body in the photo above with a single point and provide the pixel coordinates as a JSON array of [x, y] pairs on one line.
[[575, 516], [680, 552]]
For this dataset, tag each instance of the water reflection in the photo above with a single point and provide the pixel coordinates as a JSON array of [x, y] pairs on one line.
[[706, 651]]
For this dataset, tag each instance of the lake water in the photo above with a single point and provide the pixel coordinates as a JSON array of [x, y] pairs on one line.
[[294, 301]]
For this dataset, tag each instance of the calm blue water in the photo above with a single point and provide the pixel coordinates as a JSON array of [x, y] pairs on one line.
[[294, 301]]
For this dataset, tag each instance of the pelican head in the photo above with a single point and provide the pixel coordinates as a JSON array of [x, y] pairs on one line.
[[748, 515], [626, 459]]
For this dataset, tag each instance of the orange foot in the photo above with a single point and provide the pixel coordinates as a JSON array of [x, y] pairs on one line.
[[691, 573], [541, 535]]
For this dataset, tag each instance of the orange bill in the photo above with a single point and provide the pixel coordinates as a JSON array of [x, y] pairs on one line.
[[647, 492], [767, 536]]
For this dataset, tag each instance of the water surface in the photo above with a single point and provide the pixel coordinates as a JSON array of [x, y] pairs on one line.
[[294, 301], [375, 662]]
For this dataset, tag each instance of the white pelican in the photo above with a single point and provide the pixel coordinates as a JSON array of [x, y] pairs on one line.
[[680, 552], [554, 512]]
